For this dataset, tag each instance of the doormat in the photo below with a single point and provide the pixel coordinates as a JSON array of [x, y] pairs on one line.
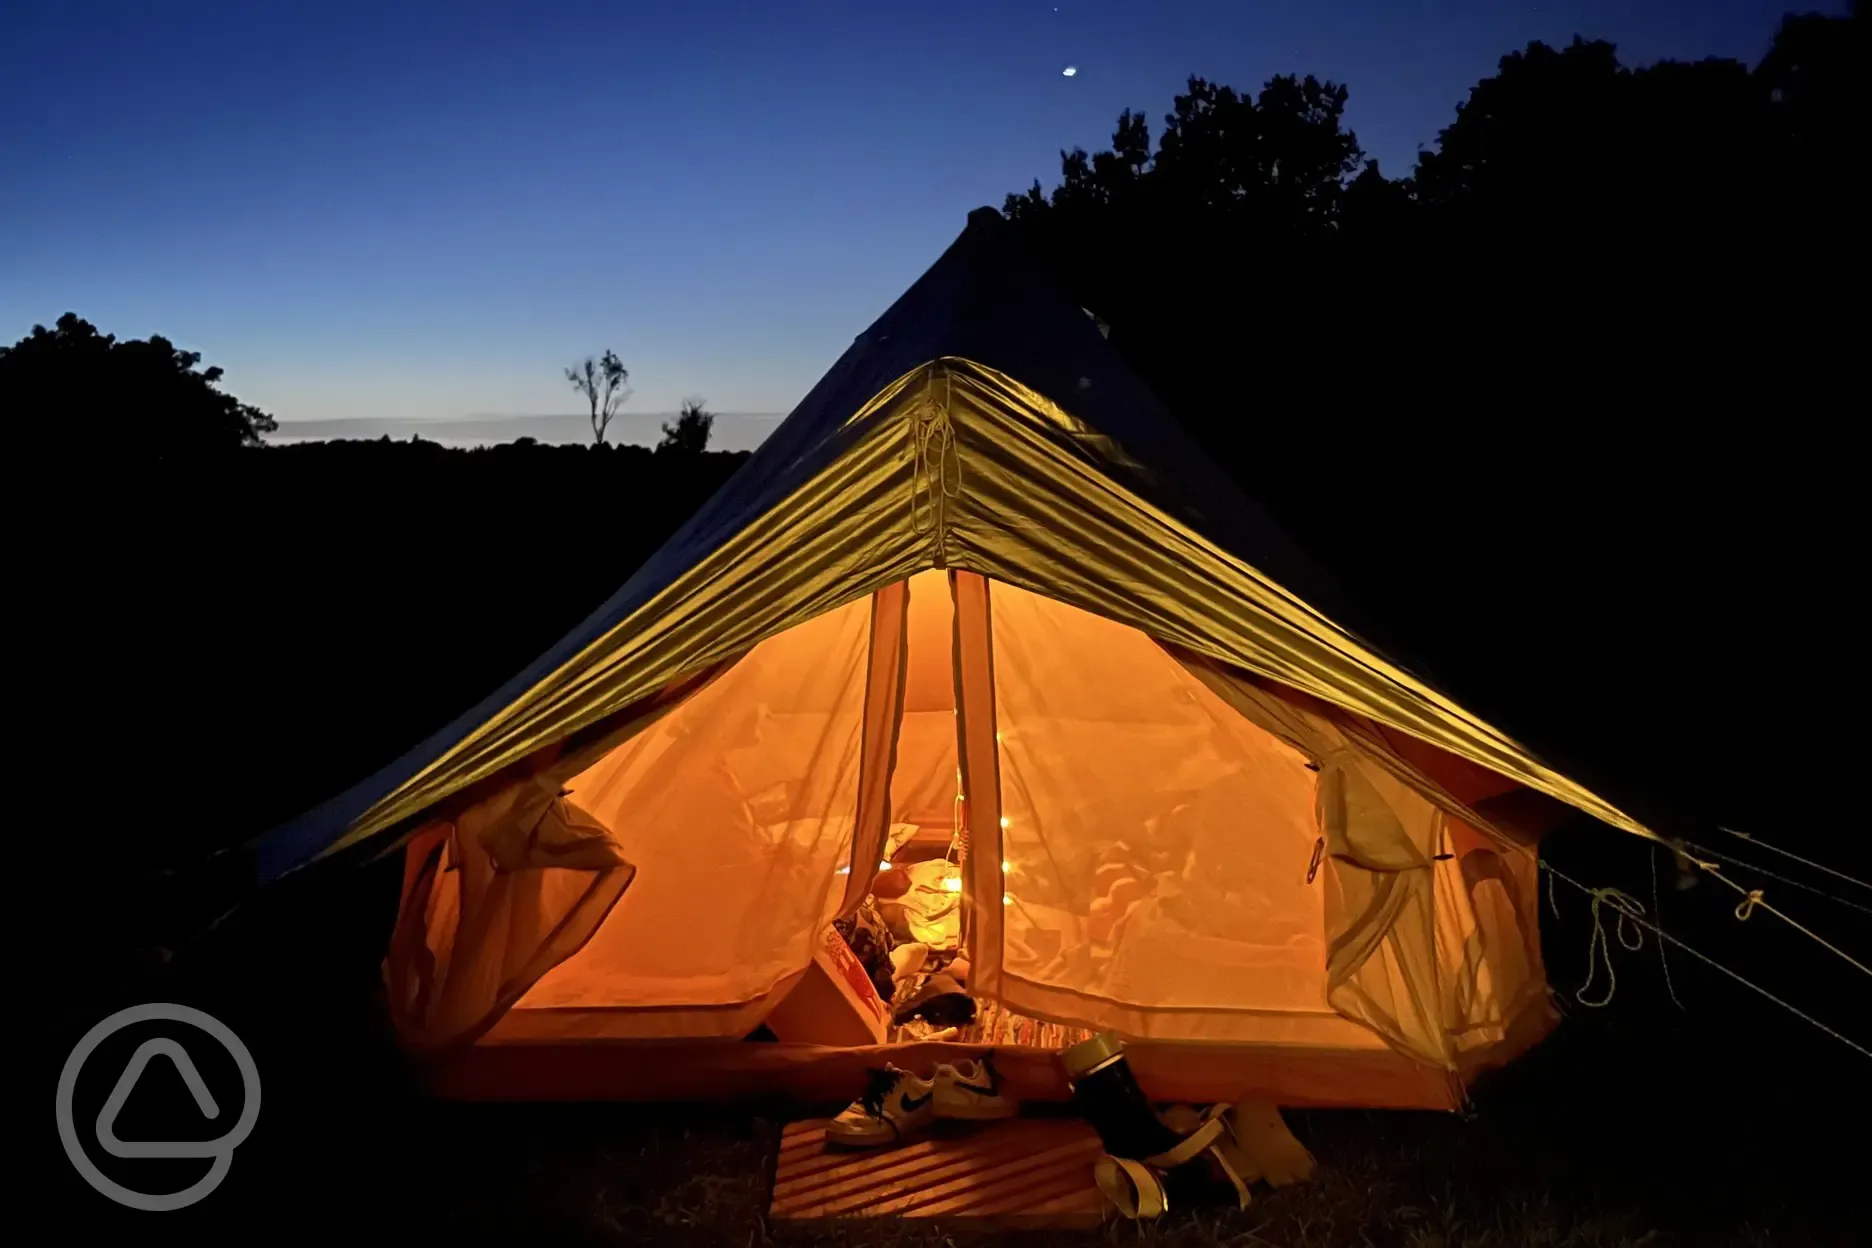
[[1032, 1172]]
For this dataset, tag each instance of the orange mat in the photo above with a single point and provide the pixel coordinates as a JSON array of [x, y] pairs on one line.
[[1032, 1172]]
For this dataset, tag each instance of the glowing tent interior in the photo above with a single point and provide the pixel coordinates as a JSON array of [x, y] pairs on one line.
[[977, 640]]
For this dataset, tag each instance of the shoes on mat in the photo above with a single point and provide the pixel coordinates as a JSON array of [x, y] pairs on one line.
[[971, 1090], [895, 1103]]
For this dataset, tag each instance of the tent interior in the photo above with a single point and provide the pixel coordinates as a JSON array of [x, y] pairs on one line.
[[1138, 853]]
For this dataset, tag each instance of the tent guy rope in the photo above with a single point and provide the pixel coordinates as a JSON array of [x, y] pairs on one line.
[[1782, 879], [1610, 895], [1805, 862], [1752, 900]]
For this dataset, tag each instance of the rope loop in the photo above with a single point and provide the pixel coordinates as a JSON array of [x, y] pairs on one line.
[[938, 468], [1748, 904], [1629, 925], [1554, 873]]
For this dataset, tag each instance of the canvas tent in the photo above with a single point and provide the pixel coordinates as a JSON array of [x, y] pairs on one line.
[[978, 594]]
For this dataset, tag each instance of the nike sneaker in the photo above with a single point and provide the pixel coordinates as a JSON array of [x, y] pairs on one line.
[[971, 1090], [895, 1104]]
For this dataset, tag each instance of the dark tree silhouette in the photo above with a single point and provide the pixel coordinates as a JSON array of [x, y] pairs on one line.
[[689, 433], [1275, 162], [605, 383], [1205, 255], [1584, 239], [139, 397]]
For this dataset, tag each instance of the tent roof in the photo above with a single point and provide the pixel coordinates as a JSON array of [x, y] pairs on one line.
[[1086, 415], [985, 300]]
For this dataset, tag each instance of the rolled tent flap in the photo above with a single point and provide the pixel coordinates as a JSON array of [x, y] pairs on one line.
[[491, 902], [514, 882], [1360, 826], [887, 663], [1495, 997], [742, 812], [560, 835], [1438, 953], [1381, 905]]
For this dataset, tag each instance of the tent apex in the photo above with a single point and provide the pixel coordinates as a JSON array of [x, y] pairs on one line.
[[983, 217]]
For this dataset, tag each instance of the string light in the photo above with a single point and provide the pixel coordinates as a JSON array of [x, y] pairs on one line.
[[1006, 867], [1005, 821], [952, 884], [885, 865]]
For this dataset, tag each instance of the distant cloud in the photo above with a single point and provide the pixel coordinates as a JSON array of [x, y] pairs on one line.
[[734, 431]]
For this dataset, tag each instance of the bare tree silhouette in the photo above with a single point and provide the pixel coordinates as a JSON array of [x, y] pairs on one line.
[[604, 382]]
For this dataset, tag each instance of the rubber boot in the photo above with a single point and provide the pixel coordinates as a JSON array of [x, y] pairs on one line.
[[1107, 1094]]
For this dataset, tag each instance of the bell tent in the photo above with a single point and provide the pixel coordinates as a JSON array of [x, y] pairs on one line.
[[977, 643]]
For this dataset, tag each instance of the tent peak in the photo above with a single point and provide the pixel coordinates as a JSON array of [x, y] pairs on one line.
[[983, 218]]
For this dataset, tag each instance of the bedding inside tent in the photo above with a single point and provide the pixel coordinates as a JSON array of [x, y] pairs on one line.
[[1086, 830]]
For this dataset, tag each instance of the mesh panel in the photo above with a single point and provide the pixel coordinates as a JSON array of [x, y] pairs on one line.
[[1156, 843], [737, 810]]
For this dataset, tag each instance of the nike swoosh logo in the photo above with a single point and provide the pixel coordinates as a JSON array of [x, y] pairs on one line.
[[976, 1087], [913, 1103]]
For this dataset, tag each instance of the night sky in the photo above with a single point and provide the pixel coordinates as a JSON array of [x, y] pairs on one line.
[[424, 210]]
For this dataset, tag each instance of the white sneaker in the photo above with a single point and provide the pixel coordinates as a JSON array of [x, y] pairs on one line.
[[895, 1104], [971, 1089]]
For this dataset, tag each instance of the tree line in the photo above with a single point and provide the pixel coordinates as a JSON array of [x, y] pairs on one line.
[[1585, 239], [160, 405]]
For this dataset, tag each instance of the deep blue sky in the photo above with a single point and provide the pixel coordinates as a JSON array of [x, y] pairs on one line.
[[423, 210]]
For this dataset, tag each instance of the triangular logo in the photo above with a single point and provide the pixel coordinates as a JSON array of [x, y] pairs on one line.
[[126, 1082]]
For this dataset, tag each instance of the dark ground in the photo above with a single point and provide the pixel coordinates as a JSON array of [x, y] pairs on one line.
[[229, 647], [1607, 1135]]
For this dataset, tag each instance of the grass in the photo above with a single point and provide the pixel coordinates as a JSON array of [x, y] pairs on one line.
[[1553, 1156], [591, 1176]]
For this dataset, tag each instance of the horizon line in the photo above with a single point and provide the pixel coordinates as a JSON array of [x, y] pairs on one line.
[[485, 417]]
